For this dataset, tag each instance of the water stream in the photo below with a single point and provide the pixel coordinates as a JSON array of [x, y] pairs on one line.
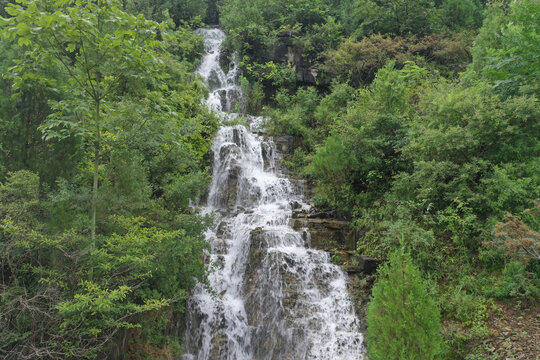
[[272, 297]]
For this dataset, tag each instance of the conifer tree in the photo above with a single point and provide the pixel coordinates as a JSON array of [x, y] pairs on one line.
[[403, 321]]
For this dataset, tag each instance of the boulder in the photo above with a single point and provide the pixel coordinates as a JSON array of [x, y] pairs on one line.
[[326, 234]]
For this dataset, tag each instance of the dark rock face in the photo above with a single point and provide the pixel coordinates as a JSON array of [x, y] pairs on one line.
[[267, 154], [326, 234], [285, 51], [361, 264], [228, 188], [286, 144], [213, 80], [232, 98], [368, 265]]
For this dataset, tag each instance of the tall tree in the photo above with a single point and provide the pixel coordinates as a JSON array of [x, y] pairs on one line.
[[101, 48], [403, 320]]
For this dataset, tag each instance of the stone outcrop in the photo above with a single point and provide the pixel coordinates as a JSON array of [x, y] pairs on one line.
[[324, 233], [286, 144], [286, 51]]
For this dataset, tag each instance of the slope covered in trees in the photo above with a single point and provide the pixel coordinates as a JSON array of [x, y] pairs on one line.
[[421, 127], [418, 122], [102, 145]]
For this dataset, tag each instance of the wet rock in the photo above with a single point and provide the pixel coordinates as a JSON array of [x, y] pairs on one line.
[[228, 181], [225, 58], [326, 234], [233, 97], [368, 265], [317, 214], [286, 144], [223, 212], [267, 154], [223, 230], [214, 80], [220, 247], [299, 214], [361, 264], [295, 205]]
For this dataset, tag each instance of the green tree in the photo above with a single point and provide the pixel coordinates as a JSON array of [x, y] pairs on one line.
[[403, 320], [398, 17], [101, 47], [358, 162], [462, 13], [514, 67], [179, 10], [48, 307]]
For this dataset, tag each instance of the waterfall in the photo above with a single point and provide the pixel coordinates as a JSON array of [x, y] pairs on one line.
[[270, 297]]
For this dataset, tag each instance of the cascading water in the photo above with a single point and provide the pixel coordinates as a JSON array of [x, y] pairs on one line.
[[272, 297]]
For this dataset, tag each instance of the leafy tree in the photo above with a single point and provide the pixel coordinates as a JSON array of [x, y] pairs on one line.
[[463, 147], [49, 308], [22, 112], [462, 13], [398, 17], [403, 321], [514, 66], [179, 10], [358, 61], [100, 47], [367, 141], [489, 36]]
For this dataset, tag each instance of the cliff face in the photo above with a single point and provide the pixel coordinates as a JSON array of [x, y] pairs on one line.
[[286, 51]]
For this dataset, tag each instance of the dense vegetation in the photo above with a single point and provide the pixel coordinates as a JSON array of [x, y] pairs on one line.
[[418, 121], [422, 127], [102, 145]]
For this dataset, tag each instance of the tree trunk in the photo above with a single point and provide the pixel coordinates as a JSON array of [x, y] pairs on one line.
[[96, 172]]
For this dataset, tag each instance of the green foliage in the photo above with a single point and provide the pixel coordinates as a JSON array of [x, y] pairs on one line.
[[19, 196], [357, 62], [398, 17], [159, 10], [371, 134], [470, 132], [514, 67], [466, 311], [462, 13], [49, 304], [91, 90], [333, 165], [515, 281], [253, 96], [402, 318], [439, 160], [488, 37], [99, 46], [21, 142]]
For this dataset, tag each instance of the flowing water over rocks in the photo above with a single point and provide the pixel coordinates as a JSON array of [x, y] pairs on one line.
[[272, 297]]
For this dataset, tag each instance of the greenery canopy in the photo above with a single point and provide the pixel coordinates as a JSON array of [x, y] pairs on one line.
[[415, 121]]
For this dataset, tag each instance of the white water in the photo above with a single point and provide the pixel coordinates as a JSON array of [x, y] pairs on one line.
[[272, 297]]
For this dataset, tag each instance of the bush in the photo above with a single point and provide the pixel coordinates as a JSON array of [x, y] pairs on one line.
[[403, 320], [359, 61]]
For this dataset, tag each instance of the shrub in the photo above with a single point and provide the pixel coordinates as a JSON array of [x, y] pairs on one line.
[[517, 239], [403, 320]]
